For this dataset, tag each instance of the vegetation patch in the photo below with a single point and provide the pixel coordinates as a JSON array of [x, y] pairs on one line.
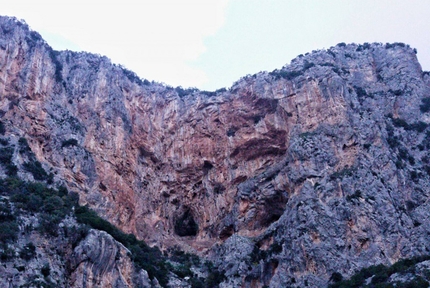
[[289, 75], [377, 275], [425, 105], [52, 205], [36, 169], [2, 128], [6, 161]]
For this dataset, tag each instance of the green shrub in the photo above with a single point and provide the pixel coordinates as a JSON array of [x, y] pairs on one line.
[[54, 205], [28, 252], [36, 169], [6, 213], [132, 76], [7, 254], [76, 233], [307, 65], [8, 231], [398, 122], [2, 128], [48, 224], [6, 155], [275, 248], [361, 93], [289, 75], [46, 270], [425, 106], [381, 274], [23, 145], [214, 278], [177, 255], [336, 277]]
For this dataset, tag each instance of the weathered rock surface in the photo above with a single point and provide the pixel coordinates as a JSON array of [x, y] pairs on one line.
[[322, 165], [100, 261]]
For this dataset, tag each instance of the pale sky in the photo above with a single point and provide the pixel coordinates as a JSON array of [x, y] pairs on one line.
[[209, 44]]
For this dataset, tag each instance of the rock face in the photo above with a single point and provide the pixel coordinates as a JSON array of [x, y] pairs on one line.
[[319, 167], [100, 261], [39, 260]]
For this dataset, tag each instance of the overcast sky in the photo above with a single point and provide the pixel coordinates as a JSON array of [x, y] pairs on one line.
[[209, 44]]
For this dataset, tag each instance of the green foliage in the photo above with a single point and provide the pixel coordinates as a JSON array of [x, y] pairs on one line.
[[150, 259], [425, 106], [6, 161], [361, 93], [381, 274], [363, 47], [8, 231], [183, 92], [398, 122], [46, 270], [87, 216], [133, 77], [7, 254], [395, 44], [6, 213], [48, 224], [397, 92], [69, 142], [177, 255], [58, 65], [36, 169], [419, 126], [274, 248], [336, 277], [2, 128], [214, 278], [392, 140], [208, 93], [28, 252], [23, 145], [307, 65], [8, 225], [289, 75], [76, 233], [52, 205], [342, 173]]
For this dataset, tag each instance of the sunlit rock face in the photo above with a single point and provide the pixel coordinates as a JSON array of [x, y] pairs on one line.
[[323, 164]]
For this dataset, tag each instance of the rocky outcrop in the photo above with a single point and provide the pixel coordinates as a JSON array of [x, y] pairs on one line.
[[318, 167], [100, 261]]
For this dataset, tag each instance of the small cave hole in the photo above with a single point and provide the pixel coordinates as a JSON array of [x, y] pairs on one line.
[[185, 225]]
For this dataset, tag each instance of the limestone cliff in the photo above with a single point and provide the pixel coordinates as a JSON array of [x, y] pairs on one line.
[[319, 167]]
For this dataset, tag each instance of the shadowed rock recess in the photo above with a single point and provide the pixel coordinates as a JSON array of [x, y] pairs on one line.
[[285, 179]]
